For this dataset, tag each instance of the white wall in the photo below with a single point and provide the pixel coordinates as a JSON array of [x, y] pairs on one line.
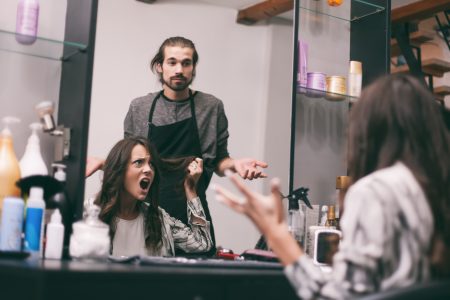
[[25, 80], [248, 67]]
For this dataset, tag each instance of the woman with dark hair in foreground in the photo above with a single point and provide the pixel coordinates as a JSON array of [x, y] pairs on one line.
[[395, 225]]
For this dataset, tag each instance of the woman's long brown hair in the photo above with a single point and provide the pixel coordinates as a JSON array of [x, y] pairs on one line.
[[397, 119]]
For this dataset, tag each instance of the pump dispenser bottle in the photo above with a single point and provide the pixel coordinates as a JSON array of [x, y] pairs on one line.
[[32, 162], [9, 166]]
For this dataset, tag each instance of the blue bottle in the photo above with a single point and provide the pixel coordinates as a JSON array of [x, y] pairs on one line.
[[34, 223]]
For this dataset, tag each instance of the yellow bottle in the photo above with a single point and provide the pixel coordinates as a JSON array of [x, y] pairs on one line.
[[9, 165]]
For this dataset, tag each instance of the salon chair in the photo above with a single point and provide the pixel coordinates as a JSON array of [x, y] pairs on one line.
[[433, 290]]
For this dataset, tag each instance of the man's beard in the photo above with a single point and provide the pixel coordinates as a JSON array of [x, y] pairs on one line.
[[178, 87]]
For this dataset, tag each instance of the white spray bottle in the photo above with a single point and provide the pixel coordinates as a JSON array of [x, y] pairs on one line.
[[32, 162]]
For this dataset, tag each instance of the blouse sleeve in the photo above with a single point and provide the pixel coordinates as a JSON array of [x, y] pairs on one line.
[[197, 236], [356, 268]]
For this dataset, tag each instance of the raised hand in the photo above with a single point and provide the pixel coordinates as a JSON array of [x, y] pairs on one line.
[[265, 211], [249, 168]]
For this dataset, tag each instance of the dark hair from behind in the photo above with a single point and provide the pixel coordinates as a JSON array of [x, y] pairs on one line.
[[179, 41], [398, 119], [114, 169]]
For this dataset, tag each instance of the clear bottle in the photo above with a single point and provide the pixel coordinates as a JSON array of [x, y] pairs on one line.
[[55, 237], [9, 165], [34, 222], [90, 237], [296, 221], [27, 21], [32, 162]]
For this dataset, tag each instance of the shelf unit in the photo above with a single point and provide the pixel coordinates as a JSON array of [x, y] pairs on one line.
[[76, 55], [42, 47], [319, 119]]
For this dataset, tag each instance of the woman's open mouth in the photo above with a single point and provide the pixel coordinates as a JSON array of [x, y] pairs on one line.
[[144, 183]]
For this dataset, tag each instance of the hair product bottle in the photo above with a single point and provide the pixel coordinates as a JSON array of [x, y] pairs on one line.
[[34, 223], [32, 162], [296, 221], [27, 21], [55, 237], [9, 166], [355, 78], [11, 224]]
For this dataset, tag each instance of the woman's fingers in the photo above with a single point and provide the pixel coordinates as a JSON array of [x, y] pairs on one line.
[[225, 196], [240, 185], [276, 196]]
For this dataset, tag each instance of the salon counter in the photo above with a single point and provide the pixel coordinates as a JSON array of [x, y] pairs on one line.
[[47, 279]]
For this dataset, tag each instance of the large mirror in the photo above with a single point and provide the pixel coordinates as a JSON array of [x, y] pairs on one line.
[[248, 67]]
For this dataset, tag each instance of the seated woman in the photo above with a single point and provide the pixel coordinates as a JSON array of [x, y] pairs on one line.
[[395, 225], [129, 204]]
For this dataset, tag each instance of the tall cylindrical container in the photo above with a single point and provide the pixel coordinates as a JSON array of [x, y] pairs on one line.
[[34, 223], [11, 224], [55, 237], [9, 165], [302, 63], [355, 78], [27, 21]]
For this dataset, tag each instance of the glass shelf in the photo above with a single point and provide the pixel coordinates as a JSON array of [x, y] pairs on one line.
[[361, 9], [42, 47], [313, 93]]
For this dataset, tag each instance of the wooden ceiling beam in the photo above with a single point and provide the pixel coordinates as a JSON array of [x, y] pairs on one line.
[[420, 10], [263, 10]]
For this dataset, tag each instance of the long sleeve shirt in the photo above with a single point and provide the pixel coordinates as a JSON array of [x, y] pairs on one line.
[[129, 238], [387, 228]]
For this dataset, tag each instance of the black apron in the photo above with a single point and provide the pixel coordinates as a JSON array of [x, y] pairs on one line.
[[176, 140]]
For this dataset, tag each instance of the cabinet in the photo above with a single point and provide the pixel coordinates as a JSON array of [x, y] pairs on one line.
[[355, 30], [75, 53]]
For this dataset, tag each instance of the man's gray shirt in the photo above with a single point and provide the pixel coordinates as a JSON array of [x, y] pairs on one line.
[[212, 122]]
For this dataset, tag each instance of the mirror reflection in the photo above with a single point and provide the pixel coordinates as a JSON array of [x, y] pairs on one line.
[[232, 88]]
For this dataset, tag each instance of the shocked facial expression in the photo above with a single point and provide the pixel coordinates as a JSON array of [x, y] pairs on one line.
[[139, 175], [177, 70]]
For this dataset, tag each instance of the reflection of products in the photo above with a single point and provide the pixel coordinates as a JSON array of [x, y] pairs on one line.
[[90, 238], [34, 223], [302, 63], [296, 221], [316, 80], [45, 110], [310, 239], [9, 166], [355, 79], [55, 237], [331, 218], [60, 200], [326, 243], [32, 162], [27, 21], [336, 84], [11, 224]]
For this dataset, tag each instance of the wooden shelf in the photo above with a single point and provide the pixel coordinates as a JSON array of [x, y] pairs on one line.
[[419, 10], [441, 91], [263, 10], [433, 66], [415, 39]]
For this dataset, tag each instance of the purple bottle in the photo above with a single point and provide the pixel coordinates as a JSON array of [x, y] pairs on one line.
[[27, 21]]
